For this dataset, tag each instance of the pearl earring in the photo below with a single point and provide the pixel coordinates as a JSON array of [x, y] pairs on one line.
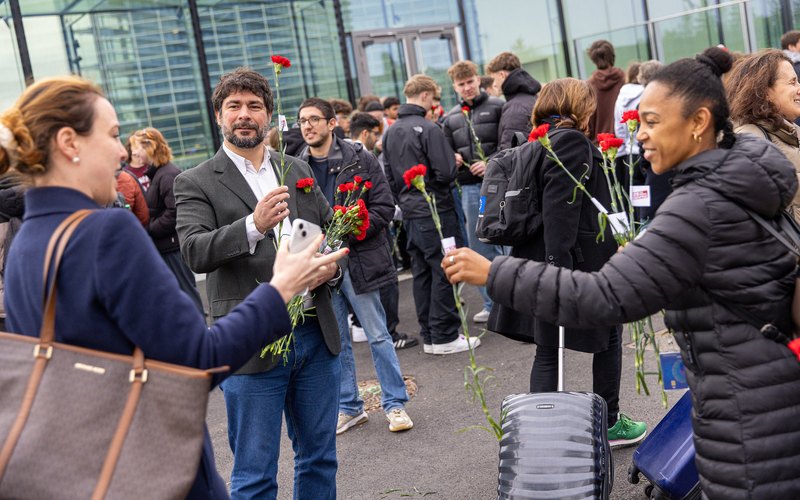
[[76, 159]]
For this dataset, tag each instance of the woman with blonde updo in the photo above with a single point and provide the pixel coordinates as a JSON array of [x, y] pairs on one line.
[[150, 147], [63, 135]]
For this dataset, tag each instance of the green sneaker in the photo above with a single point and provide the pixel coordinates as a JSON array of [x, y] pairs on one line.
[[626, 432]]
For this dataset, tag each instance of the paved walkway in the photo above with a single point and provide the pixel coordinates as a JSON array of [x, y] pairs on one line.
[[438, 458]]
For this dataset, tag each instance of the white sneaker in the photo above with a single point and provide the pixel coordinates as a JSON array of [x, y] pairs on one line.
[[399, 420], [346, 421], [427, 348], [357, 334], [458, 345], [481, 317]]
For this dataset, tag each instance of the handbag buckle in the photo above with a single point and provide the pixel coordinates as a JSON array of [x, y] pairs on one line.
[[141, 376], [37, 351]]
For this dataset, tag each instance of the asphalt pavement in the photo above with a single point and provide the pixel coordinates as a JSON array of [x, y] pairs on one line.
[[444, 457]]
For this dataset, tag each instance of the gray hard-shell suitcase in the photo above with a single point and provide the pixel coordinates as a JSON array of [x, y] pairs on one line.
[[555, 444]]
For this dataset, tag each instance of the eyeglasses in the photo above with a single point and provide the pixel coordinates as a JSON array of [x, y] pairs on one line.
[[313, 120]]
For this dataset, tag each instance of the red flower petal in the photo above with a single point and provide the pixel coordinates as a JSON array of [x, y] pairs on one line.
[[539, 132], [794, 345], [632, 114], [282, 61]]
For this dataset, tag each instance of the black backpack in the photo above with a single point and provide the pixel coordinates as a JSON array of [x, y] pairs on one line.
[[510, 209]]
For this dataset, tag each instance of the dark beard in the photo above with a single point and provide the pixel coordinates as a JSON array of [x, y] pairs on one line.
[[243, 142]]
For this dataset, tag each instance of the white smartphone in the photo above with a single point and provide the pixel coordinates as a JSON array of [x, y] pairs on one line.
[[303, 233]]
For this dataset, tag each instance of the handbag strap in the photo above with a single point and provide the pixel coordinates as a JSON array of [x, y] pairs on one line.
[[44, 350]]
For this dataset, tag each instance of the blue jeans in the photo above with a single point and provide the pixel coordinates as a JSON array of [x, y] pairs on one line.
[[470, 202], [369, 310], [304, 389]]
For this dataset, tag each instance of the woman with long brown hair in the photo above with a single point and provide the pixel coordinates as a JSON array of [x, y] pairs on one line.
[[764, 97]]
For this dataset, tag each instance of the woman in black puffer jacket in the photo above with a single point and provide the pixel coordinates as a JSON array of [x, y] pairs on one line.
[[702, 256]]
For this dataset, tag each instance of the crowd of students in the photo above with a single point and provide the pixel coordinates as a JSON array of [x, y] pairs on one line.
[[702, 259]]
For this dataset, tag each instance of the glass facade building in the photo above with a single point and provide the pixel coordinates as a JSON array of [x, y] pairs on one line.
[[158, 60]]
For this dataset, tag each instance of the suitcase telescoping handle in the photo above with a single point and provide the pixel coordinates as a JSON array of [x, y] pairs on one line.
[[561, 334]]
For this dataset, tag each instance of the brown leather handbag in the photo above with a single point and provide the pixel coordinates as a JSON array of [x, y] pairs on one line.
[[82, 423]]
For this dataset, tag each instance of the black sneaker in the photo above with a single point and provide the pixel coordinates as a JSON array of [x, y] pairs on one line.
[[403, 341]]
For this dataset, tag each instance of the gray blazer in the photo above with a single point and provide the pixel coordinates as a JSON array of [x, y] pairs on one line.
[[213, 200]]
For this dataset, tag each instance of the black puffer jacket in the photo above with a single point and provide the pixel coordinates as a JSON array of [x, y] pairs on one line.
[[566, 238], [370, 261], [485, 115], [702, 246], [161, 202], [520, 90], [410, 141]]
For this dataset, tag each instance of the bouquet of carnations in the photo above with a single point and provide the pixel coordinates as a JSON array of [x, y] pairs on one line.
[[349, 218]]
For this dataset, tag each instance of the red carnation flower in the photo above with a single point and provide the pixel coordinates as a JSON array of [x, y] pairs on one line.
[[346, 187], [368, 185], [794, 345], [286, 63], [413, 172], [465, 109], [632, 114], [305, 184], [358, 179], [611, 142], [539, 132], [604, 137]]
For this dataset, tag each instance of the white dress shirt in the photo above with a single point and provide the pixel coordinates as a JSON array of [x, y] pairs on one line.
[[261, 182]]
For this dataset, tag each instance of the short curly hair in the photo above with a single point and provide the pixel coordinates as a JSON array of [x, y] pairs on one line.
[[242, 80]]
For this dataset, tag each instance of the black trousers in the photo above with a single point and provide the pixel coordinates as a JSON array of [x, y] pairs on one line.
[[390, 298], [606, 372], [433, 294]]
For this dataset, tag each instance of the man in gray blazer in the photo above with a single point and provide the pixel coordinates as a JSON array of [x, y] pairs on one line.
[[230, 209]]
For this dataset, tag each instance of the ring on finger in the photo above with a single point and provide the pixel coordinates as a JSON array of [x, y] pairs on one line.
[[452, 259]]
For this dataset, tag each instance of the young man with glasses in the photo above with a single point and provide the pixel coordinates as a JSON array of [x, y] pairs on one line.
[[335, 161]]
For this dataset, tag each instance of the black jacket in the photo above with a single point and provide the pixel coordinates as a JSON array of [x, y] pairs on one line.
[[701, 250], [485, 115], [410, 141], [161, 202], [566, 238], [370, 261], [520, 90]]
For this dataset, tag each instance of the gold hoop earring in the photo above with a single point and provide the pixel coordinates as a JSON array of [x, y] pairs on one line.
[[697, 138]]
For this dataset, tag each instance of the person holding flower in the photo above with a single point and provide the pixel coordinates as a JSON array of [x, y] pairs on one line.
[[716, 271], [230, 210], [114, 290], [471, 128], [568, 238], [414, 140], [347, 172]]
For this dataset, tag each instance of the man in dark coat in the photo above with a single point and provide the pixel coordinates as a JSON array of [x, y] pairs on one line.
[[370, 266], [606, 81], [484, 113], [414, 140], [230, 210], [520, 90]]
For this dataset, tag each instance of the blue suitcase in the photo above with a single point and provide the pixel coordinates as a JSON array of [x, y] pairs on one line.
[[666, 456]]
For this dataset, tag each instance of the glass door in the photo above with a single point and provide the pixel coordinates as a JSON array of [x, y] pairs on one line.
[[385, 59]]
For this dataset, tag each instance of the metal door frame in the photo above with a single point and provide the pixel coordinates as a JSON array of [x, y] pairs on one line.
[[408, 37]]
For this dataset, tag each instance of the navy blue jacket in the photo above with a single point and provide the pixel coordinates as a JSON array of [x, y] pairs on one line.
[[113, 279]]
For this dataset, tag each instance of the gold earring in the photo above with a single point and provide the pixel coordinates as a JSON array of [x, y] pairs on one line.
[[697, 138]]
